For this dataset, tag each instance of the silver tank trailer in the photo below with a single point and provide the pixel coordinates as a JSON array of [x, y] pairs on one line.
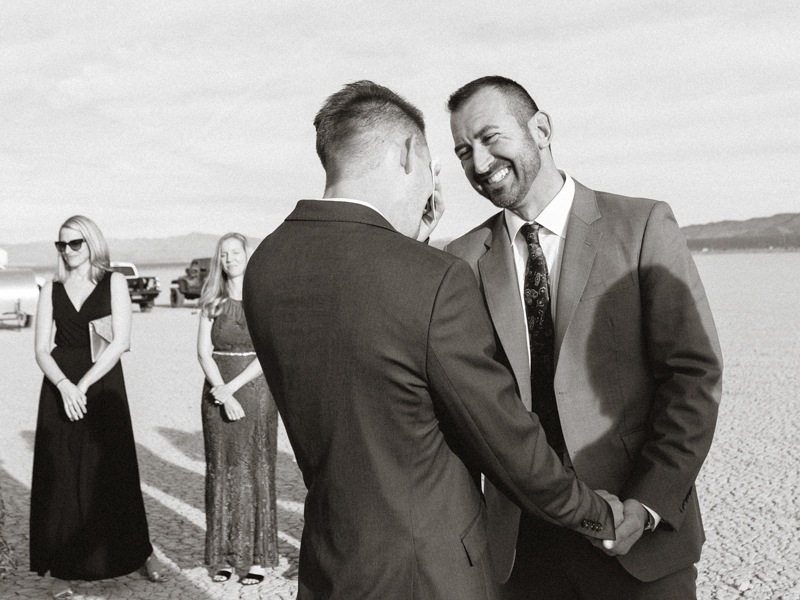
[[19, 295]]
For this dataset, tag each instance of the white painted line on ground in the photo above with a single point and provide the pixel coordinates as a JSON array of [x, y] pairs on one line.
[[190, 513], [291, 506], [197, 517], [170, 454], [289, 539], [196, 577]]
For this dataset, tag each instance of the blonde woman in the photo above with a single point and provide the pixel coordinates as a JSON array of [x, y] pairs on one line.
[[87, 515], [240, 427]]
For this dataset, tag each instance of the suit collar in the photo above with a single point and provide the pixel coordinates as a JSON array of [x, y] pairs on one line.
[[583, 240], [584, 206], [324, 210], [499, 279]]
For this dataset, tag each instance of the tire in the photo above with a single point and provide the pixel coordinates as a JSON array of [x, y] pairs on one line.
[[176, 298], [146, 306]]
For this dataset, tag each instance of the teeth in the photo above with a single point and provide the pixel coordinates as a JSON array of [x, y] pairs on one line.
[[498, 176]]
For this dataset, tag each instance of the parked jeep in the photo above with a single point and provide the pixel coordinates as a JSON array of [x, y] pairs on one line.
[[189, 286], [143, 290]]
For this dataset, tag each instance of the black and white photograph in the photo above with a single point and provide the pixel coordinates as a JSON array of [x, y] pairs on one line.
[[423, 301]]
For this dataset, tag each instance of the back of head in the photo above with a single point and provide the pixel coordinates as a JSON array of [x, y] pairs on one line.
[[519, 100], [354, 124]]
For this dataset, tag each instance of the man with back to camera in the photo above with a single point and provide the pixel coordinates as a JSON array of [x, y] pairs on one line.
[[600, 311], [381, 358]]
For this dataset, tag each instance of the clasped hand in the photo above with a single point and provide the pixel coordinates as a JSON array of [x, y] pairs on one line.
[[223, 394], [630, 518], [74, 398]]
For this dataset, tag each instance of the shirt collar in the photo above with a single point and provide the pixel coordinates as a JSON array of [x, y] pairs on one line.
[[555, 215], [361, 202]]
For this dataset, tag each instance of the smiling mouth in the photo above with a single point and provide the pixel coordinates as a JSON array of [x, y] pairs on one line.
[[498, 176]]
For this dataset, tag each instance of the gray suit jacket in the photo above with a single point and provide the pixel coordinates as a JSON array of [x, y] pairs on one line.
[[638, 366], [380, 357]]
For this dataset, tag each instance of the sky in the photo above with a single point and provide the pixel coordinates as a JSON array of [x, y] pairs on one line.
[[162, 118]]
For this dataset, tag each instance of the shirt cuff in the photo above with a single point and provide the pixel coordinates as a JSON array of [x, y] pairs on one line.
[[655, 515]]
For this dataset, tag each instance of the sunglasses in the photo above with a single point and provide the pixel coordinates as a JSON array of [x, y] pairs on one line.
[[74, 245]]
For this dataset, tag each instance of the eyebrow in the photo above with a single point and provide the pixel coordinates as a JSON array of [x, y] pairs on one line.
[[480, 134]]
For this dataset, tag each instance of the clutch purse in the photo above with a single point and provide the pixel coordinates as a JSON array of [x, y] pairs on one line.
[[101, 334]]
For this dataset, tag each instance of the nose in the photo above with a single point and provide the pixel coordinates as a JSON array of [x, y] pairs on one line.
[[482, 159]]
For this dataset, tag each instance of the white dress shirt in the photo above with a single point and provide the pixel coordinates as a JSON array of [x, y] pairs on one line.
[[552, 237], [361, 202]]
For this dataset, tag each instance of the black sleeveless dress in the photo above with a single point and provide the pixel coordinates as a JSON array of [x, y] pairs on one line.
[[87, 515]]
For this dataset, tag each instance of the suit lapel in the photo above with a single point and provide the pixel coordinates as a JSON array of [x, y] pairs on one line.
[[499, 278], [580, 248]]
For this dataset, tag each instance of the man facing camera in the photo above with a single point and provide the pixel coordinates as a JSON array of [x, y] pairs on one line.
[[600, 311], [381, 358]]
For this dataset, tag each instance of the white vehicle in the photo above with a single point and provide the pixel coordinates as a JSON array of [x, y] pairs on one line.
[[143, 289], [19, 295]]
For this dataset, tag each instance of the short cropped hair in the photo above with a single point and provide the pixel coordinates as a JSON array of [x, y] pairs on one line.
[[519, 100], [98, 249], [354, 122]]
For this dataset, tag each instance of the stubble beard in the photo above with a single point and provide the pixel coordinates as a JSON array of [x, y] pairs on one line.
[[529, 162]]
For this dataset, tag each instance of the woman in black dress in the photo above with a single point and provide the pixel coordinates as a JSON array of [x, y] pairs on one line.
[[87, 515], [240, 427]]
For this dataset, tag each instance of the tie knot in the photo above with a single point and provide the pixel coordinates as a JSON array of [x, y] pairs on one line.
[[531, 232]]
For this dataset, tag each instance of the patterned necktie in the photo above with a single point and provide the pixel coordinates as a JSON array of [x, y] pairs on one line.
[[542, 338]]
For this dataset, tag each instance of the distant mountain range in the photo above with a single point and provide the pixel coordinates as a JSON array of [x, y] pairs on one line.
[[778, 231], [177, 249]]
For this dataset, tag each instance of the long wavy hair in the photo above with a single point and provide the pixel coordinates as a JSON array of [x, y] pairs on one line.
[[98, 249], [215, 290]]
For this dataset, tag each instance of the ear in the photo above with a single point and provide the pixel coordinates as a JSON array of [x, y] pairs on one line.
[[541, 127], [407, 150]]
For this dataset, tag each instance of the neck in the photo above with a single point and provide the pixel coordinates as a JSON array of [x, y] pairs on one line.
[[544, 188], [235, 287], [358, 189], [368, 189], [79, 272]]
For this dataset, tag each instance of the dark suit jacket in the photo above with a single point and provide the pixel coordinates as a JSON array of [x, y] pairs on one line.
[[381, 358], [638, 365]]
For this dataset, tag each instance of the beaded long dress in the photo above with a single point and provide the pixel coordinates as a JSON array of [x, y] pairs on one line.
[[241, 517], [87, 515]]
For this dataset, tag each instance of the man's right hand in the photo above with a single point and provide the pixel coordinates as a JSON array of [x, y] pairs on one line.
[[432, 216], [636, 517], [616, 505]]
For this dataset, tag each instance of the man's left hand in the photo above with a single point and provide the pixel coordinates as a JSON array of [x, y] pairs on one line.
[[629, 531]]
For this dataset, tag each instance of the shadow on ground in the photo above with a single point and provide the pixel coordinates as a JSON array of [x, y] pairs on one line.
[[15, 531], [190, 443]]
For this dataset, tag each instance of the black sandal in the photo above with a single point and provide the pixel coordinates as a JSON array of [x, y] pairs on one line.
[[252, 579], [222, 575]]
